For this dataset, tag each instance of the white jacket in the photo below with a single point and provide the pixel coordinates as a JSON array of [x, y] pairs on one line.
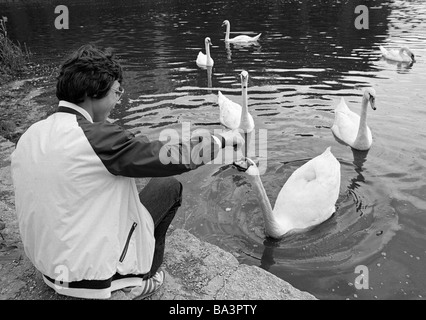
[[77, 204]]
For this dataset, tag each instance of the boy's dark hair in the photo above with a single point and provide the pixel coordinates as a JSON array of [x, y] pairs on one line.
[[88, 71]]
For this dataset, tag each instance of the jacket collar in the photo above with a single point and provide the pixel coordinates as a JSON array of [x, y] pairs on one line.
[[69, 105]]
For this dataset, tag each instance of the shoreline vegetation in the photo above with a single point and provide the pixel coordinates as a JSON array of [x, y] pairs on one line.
[[13, 58], [26, 88]]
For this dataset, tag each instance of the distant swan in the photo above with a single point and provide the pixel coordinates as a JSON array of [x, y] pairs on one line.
[[241, 38], [205, 59], [351, 128], [232, 115], [307, 199], [402, 55]]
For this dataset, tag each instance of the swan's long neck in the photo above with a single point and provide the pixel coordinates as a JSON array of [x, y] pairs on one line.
[[404, 53], [208, 53], [244, 121], [362, 130], [228, 31], [272, 227]]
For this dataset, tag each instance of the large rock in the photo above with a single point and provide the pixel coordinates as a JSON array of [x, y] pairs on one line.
[[199, 270]]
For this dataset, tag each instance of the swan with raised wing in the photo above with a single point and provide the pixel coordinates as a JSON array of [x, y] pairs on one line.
[[205, 60], [351, 128], [240, 38], [307, 198]]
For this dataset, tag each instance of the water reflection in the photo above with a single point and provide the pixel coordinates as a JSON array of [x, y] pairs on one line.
[[267, 260], [360, 157], [241, 46], [209, 76], [401, 67], [228, 51]]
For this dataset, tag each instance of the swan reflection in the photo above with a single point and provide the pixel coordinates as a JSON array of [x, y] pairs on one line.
[[240, 46]]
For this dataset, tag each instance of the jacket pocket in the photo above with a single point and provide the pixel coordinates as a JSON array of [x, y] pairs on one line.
[[126, 246]]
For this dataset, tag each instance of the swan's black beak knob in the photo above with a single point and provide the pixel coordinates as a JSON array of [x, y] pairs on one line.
[[243, 164]]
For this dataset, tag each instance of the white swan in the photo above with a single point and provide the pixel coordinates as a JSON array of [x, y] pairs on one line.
[[307, 198], [241, 38], [402, 55], [232, 115], [205, 59], [351, 128]]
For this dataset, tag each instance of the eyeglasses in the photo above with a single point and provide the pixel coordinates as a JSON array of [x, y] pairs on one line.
[[118, 93]]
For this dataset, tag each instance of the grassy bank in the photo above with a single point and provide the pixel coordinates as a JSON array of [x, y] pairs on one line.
[[26, 88], [13, 57]]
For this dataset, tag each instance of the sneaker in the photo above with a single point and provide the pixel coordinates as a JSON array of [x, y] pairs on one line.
[[148, 287]]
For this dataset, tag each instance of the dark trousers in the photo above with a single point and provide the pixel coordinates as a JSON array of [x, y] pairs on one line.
[[161, 197]]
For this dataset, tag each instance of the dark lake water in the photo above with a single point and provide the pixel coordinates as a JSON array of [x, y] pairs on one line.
[[310, 55]]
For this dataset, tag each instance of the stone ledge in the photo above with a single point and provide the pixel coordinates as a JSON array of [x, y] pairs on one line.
[[199, 270]]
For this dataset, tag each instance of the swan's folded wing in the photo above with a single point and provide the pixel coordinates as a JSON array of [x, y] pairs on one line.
[[395, 55], [299, 204], [244, 38], [230, 112], [383, 51], [345, 127], [310, 194], [346, 123], [201, 58]]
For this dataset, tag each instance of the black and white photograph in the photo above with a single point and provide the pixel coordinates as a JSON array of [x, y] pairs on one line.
[[210, 156]]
